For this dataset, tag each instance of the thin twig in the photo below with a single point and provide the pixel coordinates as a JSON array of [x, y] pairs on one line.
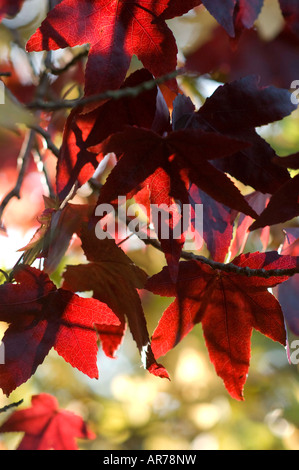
[[11, 405], [230, 267], [55, 71], [24, 158], [243, 271], [50, 144], [38, 158]]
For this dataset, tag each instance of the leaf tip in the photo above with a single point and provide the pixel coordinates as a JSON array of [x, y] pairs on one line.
[[159, 371]]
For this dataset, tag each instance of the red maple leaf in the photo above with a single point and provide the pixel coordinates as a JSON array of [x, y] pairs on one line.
[[114, 279], [40, 317], [228, 305], [116, 30], [47, 427], [10, 7]]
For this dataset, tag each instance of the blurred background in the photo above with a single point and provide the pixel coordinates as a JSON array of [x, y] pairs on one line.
[[128, 408]]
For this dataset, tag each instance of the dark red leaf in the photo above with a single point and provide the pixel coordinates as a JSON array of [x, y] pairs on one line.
[[244, 104], [235, 109], [283, 205], [253, 56], [290, 161], [183, 154], [234, 15]]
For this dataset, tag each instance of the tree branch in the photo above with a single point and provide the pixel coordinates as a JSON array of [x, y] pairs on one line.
[[128, 92], [230, 267]]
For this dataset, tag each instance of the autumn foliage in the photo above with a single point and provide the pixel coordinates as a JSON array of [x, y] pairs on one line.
[[138, 132]]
